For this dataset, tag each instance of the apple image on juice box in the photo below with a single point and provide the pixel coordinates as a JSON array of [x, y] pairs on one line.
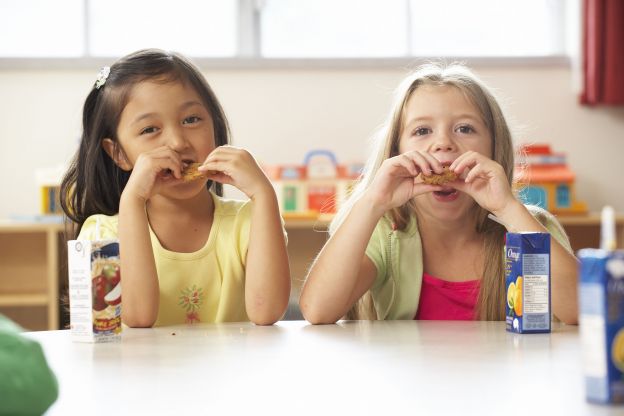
[[94, 290]]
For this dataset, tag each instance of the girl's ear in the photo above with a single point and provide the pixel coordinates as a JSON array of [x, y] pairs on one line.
[[116, 153]]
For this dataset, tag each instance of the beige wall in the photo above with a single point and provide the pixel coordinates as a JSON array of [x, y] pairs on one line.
[[280, 114]]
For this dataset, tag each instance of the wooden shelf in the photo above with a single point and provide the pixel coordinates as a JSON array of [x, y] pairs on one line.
[[24, 300], [26, 227], [589, 219], [584, 230], [308, 222], [29, 272]]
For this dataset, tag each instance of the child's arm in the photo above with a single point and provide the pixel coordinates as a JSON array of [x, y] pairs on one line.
[[267, 274], [487, 184], [342, 272], [139, 279], [563, 264]]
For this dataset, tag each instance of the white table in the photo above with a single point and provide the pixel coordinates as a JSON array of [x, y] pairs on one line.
[[351, 368]]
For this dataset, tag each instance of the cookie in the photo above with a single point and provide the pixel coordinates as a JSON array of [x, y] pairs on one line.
[[440, 178]]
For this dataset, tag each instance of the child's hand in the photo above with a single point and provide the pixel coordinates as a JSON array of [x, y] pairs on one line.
[[237, 167], [485, 181], [152, 171], [397, 181]]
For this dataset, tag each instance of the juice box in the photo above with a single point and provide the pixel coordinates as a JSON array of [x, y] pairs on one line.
[[94, 290], [601, 305], [527, 278]]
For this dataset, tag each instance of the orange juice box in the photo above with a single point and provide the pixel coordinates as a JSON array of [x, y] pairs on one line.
[[94, 290], [527, 279], [601, 307]]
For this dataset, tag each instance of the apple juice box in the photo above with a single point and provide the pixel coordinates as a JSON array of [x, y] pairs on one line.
[[94, 290], [601, 307], [527, 279]]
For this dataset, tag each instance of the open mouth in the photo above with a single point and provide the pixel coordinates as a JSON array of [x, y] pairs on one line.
[[446, 192]]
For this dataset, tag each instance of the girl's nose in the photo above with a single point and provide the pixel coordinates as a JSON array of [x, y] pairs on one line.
[[443, 143], [176, 140]]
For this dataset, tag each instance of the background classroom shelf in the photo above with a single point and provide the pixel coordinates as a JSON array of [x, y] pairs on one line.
[[30, 264], [33, 264], [306, 236]]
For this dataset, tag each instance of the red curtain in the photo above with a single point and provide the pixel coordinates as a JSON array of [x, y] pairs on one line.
[[603, 52]]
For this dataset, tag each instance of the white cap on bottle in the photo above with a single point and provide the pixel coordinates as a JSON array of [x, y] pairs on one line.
[[607, 228]]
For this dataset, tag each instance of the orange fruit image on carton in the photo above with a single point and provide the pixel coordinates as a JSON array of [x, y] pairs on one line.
[[517, 304]]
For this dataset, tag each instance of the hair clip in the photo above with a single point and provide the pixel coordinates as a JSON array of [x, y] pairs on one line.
[[102, 77]]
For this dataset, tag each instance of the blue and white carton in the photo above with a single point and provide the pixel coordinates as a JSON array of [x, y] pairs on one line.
[[527, 280], [601, 304]]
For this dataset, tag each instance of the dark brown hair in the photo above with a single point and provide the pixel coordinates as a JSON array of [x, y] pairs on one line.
[[93, 183]]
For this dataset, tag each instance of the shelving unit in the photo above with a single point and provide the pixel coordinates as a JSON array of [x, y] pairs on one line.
[[306, 236], [584, 230], [29, 273], [32, 260]]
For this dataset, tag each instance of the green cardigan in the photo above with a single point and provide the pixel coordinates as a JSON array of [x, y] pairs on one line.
[[397, 255], [27, 385]]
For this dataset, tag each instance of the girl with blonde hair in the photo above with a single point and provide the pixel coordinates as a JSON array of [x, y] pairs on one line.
[[401, 248]]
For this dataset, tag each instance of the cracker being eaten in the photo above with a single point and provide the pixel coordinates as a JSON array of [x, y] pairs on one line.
[[191, 172], [440, 178]]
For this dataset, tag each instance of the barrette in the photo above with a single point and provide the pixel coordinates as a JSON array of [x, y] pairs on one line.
[[102, 77]]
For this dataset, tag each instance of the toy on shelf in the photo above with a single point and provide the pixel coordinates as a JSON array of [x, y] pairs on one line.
[[317, 187], [545, 180], [49, 182]]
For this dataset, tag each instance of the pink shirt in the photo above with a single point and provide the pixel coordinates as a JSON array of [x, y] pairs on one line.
[[444, 300]]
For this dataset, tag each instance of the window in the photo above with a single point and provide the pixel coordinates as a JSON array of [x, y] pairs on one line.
[[40, 28], [194, 28], [487, 28], [286, 29], [336, 29], [408, 28], [110, 28]]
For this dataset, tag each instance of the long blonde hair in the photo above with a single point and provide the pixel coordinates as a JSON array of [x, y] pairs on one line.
[[490, 303]]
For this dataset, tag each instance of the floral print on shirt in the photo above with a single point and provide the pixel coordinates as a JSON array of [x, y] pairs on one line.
[[191, 300]]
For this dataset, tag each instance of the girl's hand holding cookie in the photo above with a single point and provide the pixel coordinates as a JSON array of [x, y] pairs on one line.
[[237, 167], [485, 181], [152, 170], [399, 179]]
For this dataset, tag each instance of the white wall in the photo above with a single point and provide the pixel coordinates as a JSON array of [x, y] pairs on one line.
[[280, 114]]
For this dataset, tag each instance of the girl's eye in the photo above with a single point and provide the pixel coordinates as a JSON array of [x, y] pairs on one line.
[[148, 130], [466, 129], [421, 131], [191, 120]]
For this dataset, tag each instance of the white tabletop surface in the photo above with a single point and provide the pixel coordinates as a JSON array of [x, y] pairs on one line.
[[351, 368]]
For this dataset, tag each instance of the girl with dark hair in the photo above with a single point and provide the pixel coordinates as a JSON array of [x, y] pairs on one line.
[[187, 253]]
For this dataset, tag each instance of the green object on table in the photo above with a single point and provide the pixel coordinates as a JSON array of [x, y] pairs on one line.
[[27, 384]]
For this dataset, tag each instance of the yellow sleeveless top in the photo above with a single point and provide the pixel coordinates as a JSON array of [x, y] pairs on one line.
[[207, 285]]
